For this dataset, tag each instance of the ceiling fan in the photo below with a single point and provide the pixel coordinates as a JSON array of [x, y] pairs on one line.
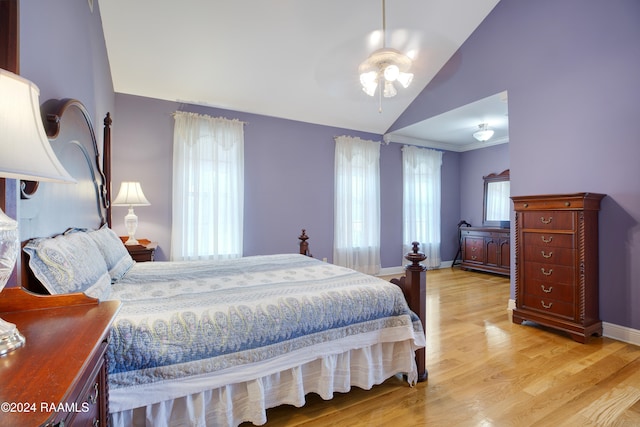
[[384, 67]]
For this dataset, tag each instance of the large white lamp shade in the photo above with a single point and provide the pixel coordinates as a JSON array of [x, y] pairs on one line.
[[25, 153]]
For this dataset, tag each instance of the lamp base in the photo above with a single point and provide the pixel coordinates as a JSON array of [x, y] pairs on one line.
[[131, 224], [10, 337], [131, 241]]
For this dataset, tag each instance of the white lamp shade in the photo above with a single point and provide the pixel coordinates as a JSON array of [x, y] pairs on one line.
[[405, 79], [389, 90], [484, 133], [130, 194], [25, 152]]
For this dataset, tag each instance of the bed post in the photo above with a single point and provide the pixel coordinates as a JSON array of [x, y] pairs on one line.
[[106, 165], [414, 288], [304, 246]]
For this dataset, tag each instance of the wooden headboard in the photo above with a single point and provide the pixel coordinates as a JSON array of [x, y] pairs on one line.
[[48, 209]]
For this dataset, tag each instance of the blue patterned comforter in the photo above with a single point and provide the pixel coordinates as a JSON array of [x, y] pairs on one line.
[[184, 319]]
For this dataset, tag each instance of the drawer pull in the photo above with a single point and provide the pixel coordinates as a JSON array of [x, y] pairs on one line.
[[473, 249], [567, 204], [473, 257], [545, 290], [545, 255], [526, 205], [546, 221], [545, 305], [96, 422], [545, 272], [547, 240], [94, 397]]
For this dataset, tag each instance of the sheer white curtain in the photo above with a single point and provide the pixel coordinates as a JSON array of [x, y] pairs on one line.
[[208, 187], [421, 201], [356, 241]]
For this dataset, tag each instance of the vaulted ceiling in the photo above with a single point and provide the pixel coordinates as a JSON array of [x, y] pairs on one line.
[[291, 59]]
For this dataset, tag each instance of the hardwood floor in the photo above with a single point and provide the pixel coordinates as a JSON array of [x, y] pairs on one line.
[[486, 371]]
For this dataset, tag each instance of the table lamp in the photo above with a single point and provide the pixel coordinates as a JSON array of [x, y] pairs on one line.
[[25, 153], [131, 195]]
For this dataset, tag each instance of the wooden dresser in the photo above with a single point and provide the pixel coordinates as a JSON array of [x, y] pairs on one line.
[[556, 249], [59, 376], [486, 249]]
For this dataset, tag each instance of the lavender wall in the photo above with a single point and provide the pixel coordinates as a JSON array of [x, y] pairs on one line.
[[288, 176], [288, 180], [62, 50], [473, 166], [451, 195], [571, 69]]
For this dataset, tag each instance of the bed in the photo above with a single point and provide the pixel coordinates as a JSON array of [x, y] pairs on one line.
[[213, 343]]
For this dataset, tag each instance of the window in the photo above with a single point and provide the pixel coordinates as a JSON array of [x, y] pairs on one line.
[[357, 204], [421, 201], [208, 187]]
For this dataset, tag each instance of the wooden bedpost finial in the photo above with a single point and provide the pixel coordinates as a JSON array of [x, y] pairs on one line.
[[416, 257], [304, 246]]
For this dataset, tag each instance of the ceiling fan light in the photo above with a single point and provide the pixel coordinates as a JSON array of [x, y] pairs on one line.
[[405, 79], [391, 72], [368, 78], [369, 82], [389, 90], [370, 89]]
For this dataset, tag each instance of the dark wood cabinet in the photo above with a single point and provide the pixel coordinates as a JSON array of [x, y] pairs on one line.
[[556, 250], [486, 249], [59, 376]]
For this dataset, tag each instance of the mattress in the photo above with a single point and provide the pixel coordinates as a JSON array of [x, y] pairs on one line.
[[187, 328]]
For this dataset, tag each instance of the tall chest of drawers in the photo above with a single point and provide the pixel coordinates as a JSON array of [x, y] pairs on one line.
[[556, 256]]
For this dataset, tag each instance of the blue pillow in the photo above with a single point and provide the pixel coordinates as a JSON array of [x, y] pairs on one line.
[[69, 263], [113, 251]]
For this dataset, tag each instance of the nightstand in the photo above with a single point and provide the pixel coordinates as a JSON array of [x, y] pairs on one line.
[[59, 376], [143, 252]]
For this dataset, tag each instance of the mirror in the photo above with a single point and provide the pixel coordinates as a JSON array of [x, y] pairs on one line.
[[497, 202]]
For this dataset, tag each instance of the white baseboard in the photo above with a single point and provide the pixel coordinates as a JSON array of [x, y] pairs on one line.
[[621, 333], [609, 330]]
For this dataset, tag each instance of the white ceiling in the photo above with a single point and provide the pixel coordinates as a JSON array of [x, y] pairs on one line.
[[454, 129], [291, 59]]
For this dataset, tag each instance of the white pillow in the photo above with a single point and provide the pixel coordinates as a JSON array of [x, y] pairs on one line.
[[69, 263], [113, 251]]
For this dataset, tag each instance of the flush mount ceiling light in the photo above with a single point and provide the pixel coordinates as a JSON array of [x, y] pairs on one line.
[[484, 133], [384, 67]]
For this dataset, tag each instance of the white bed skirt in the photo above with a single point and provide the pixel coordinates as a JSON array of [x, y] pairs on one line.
[[233, 404]]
